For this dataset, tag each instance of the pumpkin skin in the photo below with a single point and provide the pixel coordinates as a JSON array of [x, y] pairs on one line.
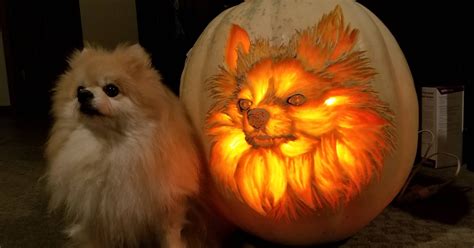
[[319, 220]]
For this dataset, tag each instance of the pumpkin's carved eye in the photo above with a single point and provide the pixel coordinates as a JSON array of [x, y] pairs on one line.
[[296, 99], [244, 104]]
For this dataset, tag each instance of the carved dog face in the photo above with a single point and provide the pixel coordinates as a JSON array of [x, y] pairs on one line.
[[297, 127]]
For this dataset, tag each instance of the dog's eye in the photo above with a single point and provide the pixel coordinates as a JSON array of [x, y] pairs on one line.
[[111, 90], [296, 99], [244, 104]]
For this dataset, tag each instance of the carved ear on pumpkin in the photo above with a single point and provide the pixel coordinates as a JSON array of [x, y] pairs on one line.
[[238, 41], [329, 47]]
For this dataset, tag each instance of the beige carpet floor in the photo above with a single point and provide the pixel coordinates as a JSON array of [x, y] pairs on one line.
[[444, 220]]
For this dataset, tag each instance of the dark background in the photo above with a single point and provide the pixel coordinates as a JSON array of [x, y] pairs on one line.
[[39, 35]]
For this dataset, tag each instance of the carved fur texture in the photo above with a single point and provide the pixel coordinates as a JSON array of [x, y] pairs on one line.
[[297, 127]]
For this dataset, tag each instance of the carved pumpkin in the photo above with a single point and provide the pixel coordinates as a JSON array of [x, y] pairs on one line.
[[308, 114]]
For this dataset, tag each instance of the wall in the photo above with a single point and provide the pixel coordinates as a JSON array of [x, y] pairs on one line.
[[4, 95], [108, 22]]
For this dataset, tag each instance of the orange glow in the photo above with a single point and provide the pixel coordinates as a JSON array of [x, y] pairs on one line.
[[317, 150], [330, 101], [296, 148], [239, 39]]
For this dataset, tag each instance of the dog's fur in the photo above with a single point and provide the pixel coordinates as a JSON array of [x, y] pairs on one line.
[[123, 172]]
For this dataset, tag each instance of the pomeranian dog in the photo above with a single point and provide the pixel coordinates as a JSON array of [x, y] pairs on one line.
[[122, 160]]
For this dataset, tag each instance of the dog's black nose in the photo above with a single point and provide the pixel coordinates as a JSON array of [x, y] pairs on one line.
[[84, 95]]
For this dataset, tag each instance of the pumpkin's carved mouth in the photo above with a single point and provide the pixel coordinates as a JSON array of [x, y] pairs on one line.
[[265, 140]]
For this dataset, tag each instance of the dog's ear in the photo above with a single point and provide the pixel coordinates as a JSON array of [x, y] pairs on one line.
[[80, 54], [89, 49], [77, 55], [137, 56], [86, 50]]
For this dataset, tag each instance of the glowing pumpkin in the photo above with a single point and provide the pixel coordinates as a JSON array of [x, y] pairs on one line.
[[308, 114]]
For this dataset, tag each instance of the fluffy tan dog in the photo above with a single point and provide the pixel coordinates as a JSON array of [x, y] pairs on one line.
[[121, 154]]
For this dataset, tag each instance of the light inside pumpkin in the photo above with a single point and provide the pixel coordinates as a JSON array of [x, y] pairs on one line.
[[297, 129], [330, 101]]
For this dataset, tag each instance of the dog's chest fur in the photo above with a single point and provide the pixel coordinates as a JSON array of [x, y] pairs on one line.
[[111, 179]]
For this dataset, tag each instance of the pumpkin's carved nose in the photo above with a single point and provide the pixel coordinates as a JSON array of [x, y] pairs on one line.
[[258, 118]]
